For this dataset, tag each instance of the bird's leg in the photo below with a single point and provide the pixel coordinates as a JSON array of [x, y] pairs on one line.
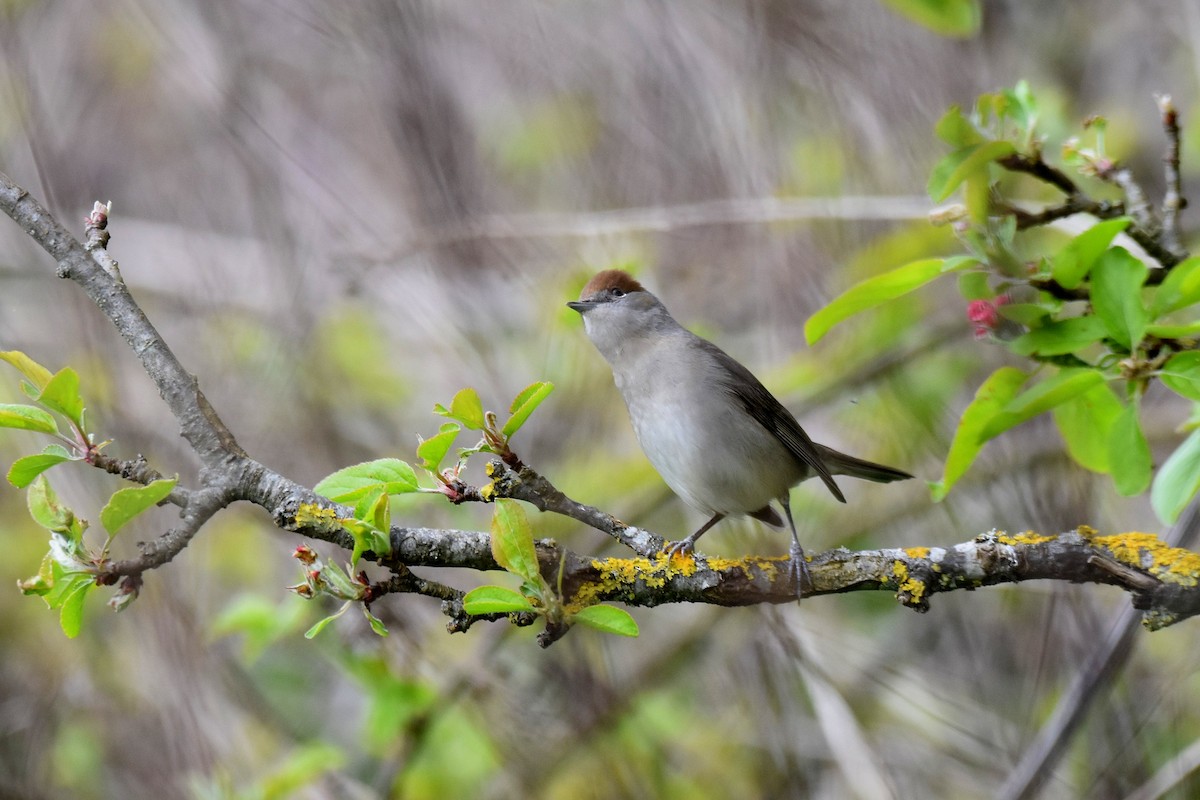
[[799, 565], [686, 545]]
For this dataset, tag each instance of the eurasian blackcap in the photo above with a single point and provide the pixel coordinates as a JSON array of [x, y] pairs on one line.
[[720, 440]]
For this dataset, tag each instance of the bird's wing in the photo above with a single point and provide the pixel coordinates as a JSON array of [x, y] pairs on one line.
[[770, 413]]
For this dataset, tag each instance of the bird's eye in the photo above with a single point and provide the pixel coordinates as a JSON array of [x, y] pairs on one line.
[[616, 292]]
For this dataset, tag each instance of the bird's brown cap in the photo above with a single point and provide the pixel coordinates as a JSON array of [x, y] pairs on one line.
[[610, 279]]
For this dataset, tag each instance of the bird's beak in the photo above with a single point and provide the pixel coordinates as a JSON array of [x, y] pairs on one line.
[[581, 305]]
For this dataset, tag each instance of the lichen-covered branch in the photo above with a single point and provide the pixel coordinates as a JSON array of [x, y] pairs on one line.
[[1162, 580]]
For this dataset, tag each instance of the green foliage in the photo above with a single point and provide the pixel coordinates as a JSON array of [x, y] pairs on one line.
[[328, 579], [350, 484], [957, 18], [879, 290], [513, 549], [125, 504], [26, 468], [1134, 325]]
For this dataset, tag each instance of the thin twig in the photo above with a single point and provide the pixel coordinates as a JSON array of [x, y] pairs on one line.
[[1173, 199]]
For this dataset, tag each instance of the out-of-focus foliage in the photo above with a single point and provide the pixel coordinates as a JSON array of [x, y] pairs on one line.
[[340, 214]]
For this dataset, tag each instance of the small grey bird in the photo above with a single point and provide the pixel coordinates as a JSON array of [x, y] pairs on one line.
[[720, 440]]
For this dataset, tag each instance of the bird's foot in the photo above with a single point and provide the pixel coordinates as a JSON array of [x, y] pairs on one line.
[[683, 547], [799, 570]]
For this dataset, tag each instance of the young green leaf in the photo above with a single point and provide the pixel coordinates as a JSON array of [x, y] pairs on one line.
[[1044, 396], [366, 508], [61, 394], [974, 286], [957, 131], [1178, 480], [25, 469], [1181, 374], [431, 451], [1185, 331], [375, 622], [958, 18], [466, 407], [1031, 315], [1085, 423], [877, 290], [1117, 280], [524, 404], [1129, 453], [125, 504], [495, 600], [48, 512], [321, 624], [995, 393], [349, 484], [1179, 289], [609, 619], [1072, 263], [512, 541], [38, 375], [70, 615], [962, 164], [26, 418], [1060, 338]]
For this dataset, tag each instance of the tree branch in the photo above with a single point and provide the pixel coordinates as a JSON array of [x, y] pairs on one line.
[[1162, 580]]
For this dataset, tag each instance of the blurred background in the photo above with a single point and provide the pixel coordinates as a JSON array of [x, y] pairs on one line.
[[340, 214]]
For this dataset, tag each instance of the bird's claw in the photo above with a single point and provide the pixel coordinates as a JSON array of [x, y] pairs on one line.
[[799, 570], [681, 548]]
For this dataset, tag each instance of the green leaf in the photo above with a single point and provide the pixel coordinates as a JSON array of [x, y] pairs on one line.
[[524, 404], [1186, 331], [512, 541], [1032, 315], [25, 469], [957, 131], [1180, 288], [375, 622], [26, 418], [349, 484], [974, 286], [48, 512], [70, 615], [957, 18], [321, 624], [1129, 453], [367, 508], [431, 451], [1047, 394], [495, 600], [466, 407], [38, 375], [877, 290], [125, 504], [61, 394], [995, 393], [609, 619], [963, 164], [299, 772], [1177, 481], [1085, 423], [1060, 338], [1181, 374], [1071, 264], [1117, 280]]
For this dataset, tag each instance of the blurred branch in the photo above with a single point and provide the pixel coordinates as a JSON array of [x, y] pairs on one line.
[[1104, 665], [733, 211]]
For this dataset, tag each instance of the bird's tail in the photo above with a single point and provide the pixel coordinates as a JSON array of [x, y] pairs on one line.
[[842, 464]]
